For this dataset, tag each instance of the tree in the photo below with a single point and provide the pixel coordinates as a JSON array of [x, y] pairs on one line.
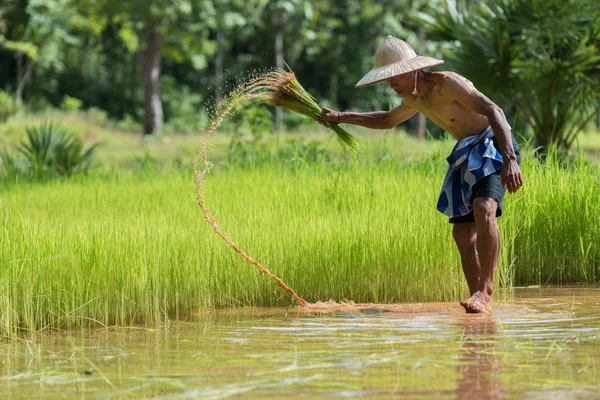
[[290, 16], [229, 17], [38, 33], [540, 56], [10, 12], [164, 28]]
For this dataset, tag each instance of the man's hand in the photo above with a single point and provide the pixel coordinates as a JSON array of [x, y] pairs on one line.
[[511, 176], [329, 116]]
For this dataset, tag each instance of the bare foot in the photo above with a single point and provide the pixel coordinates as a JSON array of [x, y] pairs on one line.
[[480, 302]]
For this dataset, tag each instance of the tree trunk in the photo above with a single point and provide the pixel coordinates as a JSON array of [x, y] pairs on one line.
[[422, 120], [219, 67], [278, 23], [23, 80], [598, 121], [19, 75], [153, 112]]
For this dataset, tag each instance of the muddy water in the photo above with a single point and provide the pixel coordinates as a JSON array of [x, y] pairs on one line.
[[544, 344]]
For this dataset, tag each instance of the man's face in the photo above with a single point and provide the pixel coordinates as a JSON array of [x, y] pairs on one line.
[[403, 84]]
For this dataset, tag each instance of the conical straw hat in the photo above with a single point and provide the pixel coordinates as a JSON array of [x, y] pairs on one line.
[[395, 57]]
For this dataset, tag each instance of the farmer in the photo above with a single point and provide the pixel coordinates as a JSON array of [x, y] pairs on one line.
[[483, 164]]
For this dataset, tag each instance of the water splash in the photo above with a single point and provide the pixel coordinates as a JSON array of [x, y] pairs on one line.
[[280, 88], [259, 88]]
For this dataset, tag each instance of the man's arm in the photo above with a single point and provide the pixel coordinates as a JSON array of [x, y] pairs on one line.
[[373, 120], [463, 91]]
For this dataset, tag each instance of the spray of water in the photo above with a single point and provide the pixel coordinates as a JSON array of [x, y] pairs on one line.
[[279, 88], [258, 88]]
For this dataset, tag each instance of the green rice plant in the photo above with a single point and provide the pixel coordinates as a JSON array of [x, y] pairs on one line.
[[558, 222], [124, 248], [284, 90]]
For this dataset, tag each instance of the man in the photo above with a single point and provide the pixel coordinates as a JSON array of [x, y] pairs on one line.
[[483, 164]]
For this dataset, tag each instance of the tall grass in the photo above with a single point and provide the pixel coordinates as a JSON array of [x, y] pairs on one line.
[[553, 230], [121, 248]]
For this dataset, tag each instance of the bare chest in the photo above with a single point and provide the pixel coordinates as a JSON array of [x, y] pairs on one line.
[[447, 113], [437, 107]]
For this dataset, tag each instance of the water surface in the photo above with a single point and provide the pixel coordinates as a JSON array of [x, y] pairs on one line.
[[543, 344]]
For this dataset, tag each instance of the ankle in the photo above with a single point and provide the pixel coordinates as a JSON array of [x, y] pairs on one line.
[[486, 288]]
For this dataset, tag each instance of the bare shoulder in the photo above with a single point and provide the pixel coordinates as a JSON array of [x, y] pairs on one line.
[[448, 81]]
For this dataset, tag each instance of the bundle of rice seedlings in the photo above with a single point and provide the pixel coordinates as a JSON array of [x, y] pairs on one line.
[[282, 89]]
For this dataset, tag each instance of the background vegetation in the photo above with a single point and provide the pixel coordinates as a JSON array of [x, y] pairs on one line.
[[145, 63]]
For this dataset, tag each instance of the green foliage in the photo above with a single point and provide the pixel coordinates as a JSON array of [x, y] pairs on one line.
[[71, 103], [12, 10], [559, 217], [53, 27], [259, 120], [181, 24], [7, 106], [535, 58], [89, 49], [182, 108], [305, 152], [99, 115], [9, 164], [28, 49], [257, 152], [540, 56], [50, 151]]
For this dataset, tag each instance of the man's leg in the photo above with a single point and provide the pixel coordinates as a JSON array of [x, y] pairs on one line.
[[465, 236], [488, 246]]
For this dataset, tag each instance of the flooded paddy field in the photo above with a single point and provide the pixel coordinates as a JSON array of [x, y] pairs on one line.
[[545, 343]]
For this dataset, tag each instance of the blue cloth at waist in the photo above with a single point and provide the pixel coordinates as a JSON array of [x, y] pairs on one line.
[[473, 158]]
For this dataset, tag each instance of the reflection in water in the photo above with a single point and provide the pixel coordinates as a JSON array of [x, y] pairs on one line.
[[479, 363], [544, 346]]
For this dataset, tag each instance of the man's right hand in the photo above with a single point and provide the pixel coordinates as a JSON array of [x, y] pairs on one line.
[[511, 176], [329, 115]]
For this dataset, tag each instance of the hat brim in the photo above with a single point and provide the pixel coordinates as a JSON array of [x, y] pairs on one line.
[[385, 72]]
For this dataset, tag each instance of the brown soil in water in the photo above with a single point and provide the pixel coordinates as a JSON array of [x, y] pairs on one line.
[[399, 310], [403, 309], [367, 308]]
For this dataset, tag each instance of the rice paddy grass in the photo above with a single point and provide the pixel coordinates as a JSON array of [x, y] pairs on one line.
[[122, 248]]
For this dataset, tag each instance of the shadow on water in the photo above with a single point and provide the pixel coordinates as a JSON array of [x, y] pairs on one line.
[[543, 344]]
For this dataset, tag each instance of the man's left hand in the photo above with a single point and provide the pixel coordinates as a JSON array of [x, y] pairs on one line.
[[511, 176]]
